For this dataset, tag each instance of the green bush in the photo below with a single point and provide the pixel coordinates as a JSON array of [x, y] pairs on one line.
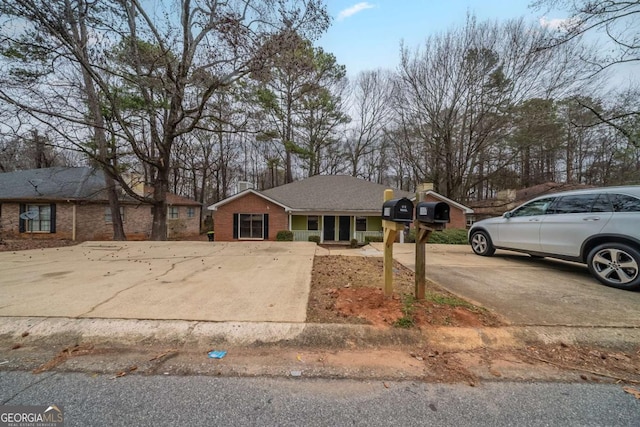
[[369, 239], [353, 243], [411, 236], [284, 236], [452, 236], [315, 239]]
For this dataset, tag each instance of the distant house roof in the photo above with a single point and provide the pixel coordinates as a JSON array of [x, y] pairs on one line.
[[529, 193], [509, 199], [330, 193], [62, 183]]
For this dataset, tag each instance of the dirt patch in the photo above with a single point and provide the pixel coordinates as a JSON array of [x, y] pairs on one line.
[[541, 362], [350, 290]]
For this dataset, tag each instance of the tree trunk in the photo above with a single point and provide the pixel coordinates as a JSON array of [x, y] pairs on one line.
[[100, 136], [159, 226]]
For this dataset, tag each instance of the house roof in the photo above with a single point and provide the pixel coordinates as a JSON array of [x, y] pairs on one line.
[[330, 193], [57, 183], [62, 183]]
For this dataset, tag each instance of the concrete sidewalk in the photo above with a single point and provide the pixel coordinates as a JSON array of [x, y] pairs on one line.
[[242, 281]]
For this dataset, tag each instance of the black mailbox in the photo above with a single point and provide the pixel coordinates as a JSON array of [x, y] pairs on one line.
[[432, 212], [398, 210]]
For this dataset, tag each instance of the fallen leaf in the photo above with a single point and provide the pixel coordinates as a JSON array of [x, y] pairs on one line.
[[632, 391]]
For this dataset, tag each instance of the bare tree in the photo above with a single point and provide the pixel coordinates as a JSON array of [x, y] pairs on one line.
[[615, 20], [459, 89], [174, 67], [616, 24], [371, 111]]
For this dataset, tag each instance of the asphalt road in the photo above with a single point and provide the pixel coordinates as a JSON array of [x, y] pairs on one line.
[[204, 401], [524, 290]]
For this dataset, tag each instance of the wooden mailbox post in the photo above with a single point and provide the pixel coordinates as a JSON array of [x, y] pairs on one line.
[[430, 216], [391, 230]]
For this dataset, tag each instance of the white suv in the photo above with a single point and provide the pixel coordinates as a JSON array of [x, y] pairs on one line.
[[599, 227]]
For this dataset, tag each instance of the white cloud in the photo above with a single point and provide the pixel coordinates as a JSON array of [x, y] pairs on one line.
[[558, 23], [350, 11]]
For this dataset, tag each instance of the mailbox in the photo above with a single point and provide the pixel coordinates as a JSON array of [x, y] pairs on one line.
[[398, 210], [432, 212]]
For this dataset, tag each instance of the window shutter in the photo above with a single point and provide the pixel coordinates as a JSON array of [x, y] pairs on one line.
[[266, 226], [53, 218], [22, 226], [235, 225]]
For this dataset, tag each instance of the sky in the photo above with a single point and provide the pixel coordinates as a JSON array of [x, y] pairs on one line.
[[366, 35]]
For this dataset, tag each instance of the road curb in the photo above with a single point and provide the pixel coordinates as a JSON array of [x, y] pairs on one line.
[[126, 332]]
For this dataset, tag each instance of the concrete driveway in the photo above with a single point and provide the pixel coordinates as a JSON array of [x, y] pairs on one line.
[[524, 290], [242, 281]]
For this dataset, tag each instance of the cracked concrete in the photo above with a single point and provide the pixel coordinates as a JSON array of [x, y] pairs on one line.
[[199, 281]]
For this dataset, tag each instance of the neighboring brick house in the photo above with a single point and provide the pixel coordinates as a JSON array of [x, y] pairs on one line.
[[71, 203], [332, 207]]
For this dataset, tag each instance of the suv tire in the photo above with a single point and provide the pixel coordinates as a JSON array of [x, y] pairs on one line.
[[481, 244], [616, 265]]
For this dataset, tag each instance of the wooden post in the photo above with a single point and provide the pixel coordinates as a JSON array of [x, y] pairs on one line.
[[420, 276], [389, 237], [422, 236]]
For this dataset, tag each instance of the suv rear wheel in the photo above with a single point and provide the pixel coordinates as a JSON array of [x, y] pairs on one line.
[[481, 244], [616, 265]]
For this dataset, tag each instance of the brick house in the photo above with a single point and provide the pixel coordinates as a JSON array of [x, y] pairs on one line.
[[332, 207], [71, 203]]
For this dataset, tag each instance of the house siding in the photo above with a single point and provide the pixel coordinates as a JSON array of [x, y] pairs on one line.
[[248, 204], [91, 224]]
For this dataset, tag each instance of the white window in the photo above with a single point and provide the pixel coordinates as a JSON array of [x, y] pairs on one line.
[[191, 212], [40, 221], [251, 226], [361, 223], [108, 217], [173, 212]]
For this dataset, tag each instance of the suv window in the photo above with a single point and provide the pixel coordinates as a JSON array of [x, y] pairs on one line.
[[603, 204], [536, 207], [580, 203], [624, 203]]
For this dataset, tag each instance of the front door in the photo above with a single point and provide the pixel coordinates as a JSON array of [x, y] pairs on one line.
[[329, 225], [344, 233]]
